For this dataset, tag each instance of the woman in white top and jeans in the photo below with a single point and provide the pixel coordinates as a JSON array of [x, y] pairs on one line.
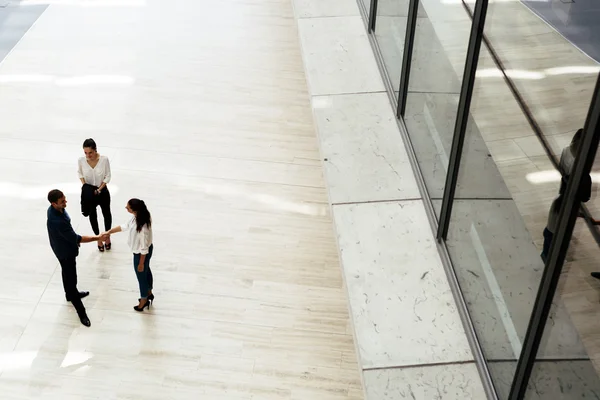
[[140, 242], [94, 170]]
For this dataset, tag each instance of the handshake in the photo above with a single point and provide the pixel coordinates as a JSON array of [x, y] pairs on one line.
[[103, 236]]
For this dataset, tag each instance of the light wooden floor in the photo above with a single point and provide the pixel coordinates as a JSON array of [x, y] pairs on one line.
[[203, 110]]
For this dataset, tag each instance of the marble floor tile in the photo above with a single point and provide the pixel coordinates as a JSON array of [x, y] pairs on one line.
[[451, 382], [401, 303], [364, 155], [338, 57], [14, 316], [325, 8]]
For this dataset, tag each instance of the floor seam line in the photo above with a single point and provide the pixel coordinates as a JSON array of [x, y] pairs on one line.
[[425, 365]]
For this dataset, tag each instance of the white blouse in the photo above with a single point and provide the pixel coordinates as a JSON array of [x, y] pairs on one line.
[[567, 159], [139, 242], [94, 176]]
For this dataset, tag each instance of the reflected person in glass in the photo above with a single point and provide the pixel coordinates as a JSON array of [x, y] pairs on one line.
[[550, 228], [567, 156]]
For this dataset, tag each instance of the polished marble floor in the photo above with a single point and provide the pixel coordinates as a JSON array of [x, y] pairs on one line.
[[208, 120]]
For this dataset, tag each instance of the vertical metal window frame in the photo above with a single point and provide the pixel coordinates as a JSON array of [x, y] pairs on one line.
[[409, 41], [462, 117], [558, 250], [372, 16]]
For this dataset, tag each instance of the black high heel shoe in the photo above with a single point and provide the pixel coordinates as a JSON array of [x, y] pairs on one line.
[[150, 298], [101, 249], [137, 308], [107, 246]]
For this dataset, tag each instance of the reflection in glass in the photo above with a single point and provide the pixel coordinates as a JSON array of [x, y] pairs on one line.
[[567, 362], [390, 31], [500, 215], [367, 4], [492, 247], [569, 354], [555, 89], [441, 39]]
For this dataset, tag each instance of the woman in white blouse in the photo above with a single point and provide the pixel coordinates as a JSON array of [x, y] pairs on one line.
[[139, 229], [94, 173]]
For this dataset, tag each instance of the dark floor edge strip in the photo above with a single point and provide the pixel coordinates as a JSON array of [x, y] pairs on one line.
[[376, 201], [347, 93], [425, 365]]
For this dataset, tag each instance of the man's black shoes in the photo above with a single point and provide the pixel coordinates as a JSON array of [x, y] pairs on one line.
[[81, 295], [85, 320]]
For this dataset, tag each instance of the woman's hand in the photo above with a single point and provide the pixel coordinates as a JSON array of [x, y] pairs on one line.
[[141, 267]]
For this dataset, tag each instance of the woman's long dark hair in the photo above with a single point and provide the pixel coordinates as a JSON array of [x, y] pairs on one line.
[[90, 143], [142, 215]]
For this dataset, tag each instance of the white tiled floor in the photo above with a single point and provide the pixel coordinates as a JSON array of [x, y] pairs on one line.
[[451, 382], [337, 56], [402, 307], [325, 8], [362, 149]]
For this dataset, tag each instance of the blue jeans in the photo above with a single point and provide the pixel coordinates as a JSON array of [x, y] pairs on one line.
[[144, 278]]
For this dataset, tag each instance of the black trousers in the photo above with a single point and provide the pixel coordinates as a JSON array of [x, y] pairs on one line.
[[548, 236], [69, 279], [104, 202]]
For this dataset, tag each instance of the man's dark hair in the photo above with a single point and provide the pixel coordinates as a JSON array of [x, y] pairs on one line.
[[55, 195], [90, 143]]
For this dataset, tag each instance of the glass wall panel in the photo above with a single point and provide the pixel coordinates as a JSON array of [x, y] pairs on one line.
[[550, 61], [566, 366], [567, 362], [367, 4], [497, 263], [505, 189], [390, 31], [441, 40], [569, 355]]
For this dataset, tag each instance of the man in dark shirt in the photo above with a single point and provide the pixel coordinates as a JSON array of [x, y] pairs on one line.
[[65, 244]]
